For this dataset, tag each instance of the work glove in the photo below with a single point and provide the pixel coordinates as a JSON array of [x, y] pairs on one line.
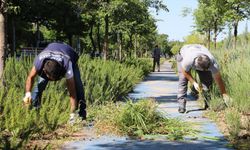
[[72, 118], [204, 87], [196, 86], [227, 100], [27, 99]]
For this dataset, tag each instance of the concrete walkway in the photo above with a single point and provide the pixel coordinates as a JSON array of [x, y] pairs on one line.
[[163, 87]]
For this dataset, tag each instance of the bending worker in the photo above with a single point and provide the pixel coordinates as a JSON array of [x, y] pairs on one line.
[[197, 57], [56, 61]]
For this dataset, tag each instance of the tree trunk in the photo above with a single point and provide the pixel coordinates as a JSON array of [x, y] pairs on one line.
[[130, 44], [120, 46], [105, 45], [38, 34], [70, 39], [106, 36], [235, 33], [78, 45], [98, 38], [13, 36], [215, 34], [135, 46], [2, 46], [92, 41], [208, 38]]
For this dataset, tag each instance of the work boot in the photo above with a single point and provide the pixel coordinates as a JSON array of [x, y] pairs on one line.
[[82, 110], [182, 105], [36, 104], [207, 99], [206, 106], [194, 94], [181, 110]]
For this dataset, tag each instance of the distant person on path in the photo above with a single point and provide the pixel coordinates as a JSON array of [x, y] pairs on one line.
[[197, 57], [156, 57], [56, 61]]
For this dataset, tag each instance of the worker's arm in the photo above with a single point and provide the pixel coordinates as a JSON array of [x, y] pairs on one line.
[[72, 93], [188, 75], [219, 82], [190, 79], [28, 86], [218, 79], [30, 79]]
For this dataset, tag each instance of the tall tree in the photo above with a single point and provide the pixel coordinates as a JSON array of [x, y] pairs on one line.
[[131, 17], [203, 21], [37, 12], [2, 37], [128, 17], [209, 18], [5, 7], [238, 10], [66, 20], [106, 33]]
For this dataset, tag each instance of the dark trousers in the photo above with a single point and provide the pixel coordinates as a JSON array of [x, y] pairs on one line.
[[42, 83], [156, 61]]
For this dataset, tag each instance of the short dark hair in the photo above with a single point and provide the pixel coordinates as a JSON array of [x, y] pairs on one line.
[[53, 69], [202, 61]]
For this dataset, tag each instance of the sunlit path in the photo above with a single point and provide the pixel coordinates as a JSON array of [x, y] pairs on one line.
[[162, 86]]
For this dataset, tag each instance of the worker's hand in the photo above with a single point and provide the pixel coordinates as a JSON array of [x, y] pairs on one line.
[[227, 100], [196, 86], [72, 118], [27, 99], [204, 87]]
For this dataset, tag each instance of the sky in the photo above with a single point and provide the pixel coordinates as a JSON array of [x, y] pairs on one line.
[[176, 26]]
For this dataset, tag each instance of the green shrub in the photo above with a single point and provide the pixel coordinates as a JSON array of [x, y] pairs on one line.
[[176, 48], [104, 81], [233, 123], [110, 80], [235, 66], [144, 64], [137, 119]]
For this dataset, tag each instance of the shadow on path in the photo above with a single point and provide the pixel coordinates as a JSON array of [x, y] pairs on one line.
[[160, 77], [162, 86], [107, 143]]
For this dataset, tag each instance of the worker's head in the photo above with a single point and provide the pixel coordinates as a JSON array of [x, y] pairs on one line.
[[53, 70], [202, 62]]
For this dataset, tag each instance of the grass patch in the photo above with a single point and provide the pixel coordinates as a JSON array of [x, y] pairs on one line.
[[233, 122], [136, 120]]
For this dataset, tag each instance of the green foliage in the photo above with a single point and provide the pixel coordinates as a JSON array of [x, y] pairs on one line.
[[216, 104], [233, 122], [82, 24], [110, 80], [162, 41], [48, 34], [176, 48], [15, 71], [143, 64], [195, 38], [235, 72], [104, 81], [138, 119], [237, 79], [207, 19]]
